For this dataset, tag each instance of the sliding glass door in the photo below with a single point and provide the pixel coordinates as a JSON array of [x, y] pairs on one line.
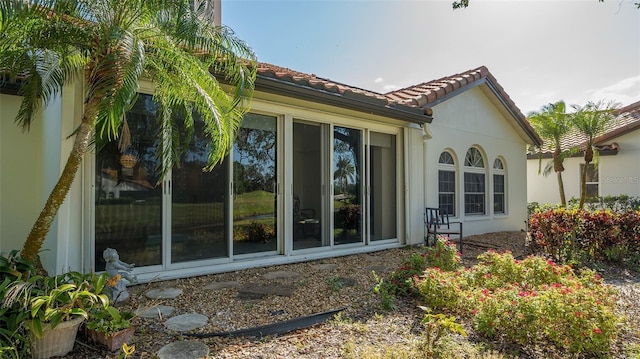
[[128, 196], [347, 185], [255, 200]]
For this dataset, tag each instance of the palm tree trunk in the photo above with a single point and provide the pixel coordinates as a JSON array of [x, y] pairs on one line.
[[41, 227], [583, 184], [563, 198]]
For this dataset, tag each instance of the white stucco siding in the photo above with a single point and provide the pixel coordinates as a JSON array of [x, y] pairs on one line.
[[471, 119], [620, 174], [21, 175], [414, 189]]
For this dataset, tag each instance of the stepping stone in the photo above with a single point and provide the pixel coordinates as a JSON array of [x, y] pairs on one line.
[[259, 291], [222, 285], [186, 322], [325, 266], [347, 282], [377, 268], [158, 311], [183, 350], [163, 293], [280, 275]]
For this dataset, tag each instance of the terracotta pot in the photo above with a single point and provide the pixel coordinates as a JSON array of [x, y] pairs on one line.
[[112, 341], [57, 341]]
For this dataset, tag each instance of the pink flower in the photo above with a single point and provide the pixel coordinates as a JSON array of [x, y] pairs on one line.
[[597, 331]]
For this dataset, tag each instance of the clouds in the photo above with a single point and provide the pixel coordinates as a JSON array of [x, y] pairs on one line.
[[382, 87], [625, 91]]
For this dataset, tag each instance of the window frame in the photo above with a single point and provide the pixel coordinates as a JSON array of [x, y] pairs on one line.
[[448, 166], [474, 164], [499, 171]]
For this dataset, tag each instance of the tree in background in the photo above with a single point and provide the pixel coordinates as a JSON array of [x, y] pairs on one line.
[[110, 45], [552, 124], [591, 120]]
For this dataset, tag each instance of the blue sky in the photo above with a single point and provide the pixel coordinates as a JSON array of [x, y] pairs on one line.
[[539, 51]]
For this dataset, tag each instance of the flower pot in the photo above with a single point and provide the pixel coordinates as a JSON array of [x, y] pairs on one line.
[[57, 341], [113, 341]]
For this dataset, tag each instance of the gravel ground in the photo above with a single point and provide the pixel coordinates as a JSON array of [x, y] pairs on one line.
[[320, 288]]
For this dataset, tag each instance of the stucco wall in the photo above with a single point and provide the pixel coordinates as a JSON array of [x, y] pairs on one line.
[[471, 119], [618, 174], [21, 175]]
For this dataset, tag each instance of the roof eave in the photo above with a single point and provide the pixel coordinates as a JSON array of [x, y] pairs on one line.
[[285, 88]]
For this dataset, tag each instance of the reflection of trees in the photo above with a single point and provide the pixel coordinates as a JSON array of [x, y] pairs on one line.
[[346, 146], [254, 160], [345, 170]]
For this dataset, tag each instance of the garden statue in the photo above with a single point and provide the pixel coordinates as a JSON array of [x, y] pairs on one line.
[[119, 272]]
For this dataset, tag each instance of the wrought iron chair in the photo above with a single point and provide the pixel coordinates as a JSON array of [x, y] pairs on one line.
[[436, 222]]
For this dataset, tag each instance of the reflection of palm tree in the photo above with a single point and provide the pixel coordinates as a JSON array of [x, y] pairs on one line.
[[344, 171]]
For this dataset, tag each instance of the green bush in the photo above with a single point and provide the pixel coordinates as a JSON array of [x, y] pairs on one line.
[[572, 235], [527, 301]]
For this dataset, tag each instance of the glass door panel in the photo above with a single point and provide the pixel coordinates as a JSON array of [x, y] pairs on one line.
[[382, 182], [128, 199], [198, 203], [347, 185], [307, 186], [254, 185]]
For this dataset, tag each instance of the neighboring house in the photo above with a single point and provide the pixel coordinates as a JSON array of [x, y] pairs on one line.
[[319, 169], [617, 171]]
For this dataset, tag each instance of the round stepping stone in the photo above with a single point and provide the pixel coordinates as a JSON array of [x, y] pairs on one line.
[[325, 266], [163, 293], [183, 350], [186, 322], [377, 268], [222, 285], [280, 275], [158, 311]]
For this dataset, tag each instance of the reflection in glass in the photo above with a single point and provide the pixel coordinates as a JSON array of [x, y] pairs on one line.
[[128, 199], [254, 185], [347, 177], [307, 186], [383, 211], [198, 203]]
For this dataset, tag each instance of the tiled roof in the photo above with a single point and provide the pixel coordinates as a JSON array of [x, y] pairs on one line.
[[340, 92], [415, 101], [628, 120], [431, 93]]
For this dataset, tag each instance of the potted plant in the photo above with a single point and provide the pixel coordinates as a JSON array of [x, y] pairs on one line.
[[110, 327], [57, 312]]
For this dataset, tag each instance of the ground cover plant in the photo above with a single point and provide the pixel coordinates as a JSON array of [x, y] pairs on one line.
[[523, 302]]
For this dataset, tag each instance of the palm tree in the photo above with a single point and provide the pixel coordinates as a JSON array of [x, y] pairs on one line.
[[344, 171], [552, 124], [110, 45], [591, 120]]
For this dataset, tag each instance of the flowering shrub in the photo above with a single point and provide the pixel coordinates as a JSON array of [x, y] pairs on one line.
[[528, 300], [442, 256], [578, 235]]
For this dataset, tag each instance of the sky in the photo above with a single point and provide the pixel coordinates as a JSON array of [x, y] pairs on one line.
[[539, 51]]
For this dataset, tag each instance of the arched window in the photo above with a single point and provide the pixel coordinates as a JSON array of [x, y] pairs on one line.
[[447, 183], [499, 187], [474, 183]]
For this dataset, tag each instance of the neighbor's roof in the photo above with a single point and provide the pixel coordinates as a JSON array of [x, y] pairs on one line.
[[288, 82], [431, 93], [627, 120]]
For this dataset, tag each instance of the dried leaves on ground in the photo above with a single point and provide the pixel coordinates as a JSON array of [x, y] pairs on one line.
[[319, 286]]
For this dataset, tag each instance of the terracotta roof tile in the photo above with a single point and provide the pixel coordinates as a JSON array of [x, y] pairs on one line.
[[628, 120], [428, 94]]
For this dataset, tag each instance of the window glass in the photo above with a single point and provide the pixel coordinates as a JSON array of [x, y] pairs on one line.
[[474, 183]]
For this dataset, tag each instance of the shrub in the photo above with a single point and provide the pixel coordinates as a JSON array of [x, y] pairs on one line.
[[258, 232], [527, 301], [571, 235]]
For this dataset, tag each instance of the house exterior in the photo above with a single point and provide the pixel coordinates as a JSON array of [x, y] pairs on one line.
[[617, 171], [319, 169]]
